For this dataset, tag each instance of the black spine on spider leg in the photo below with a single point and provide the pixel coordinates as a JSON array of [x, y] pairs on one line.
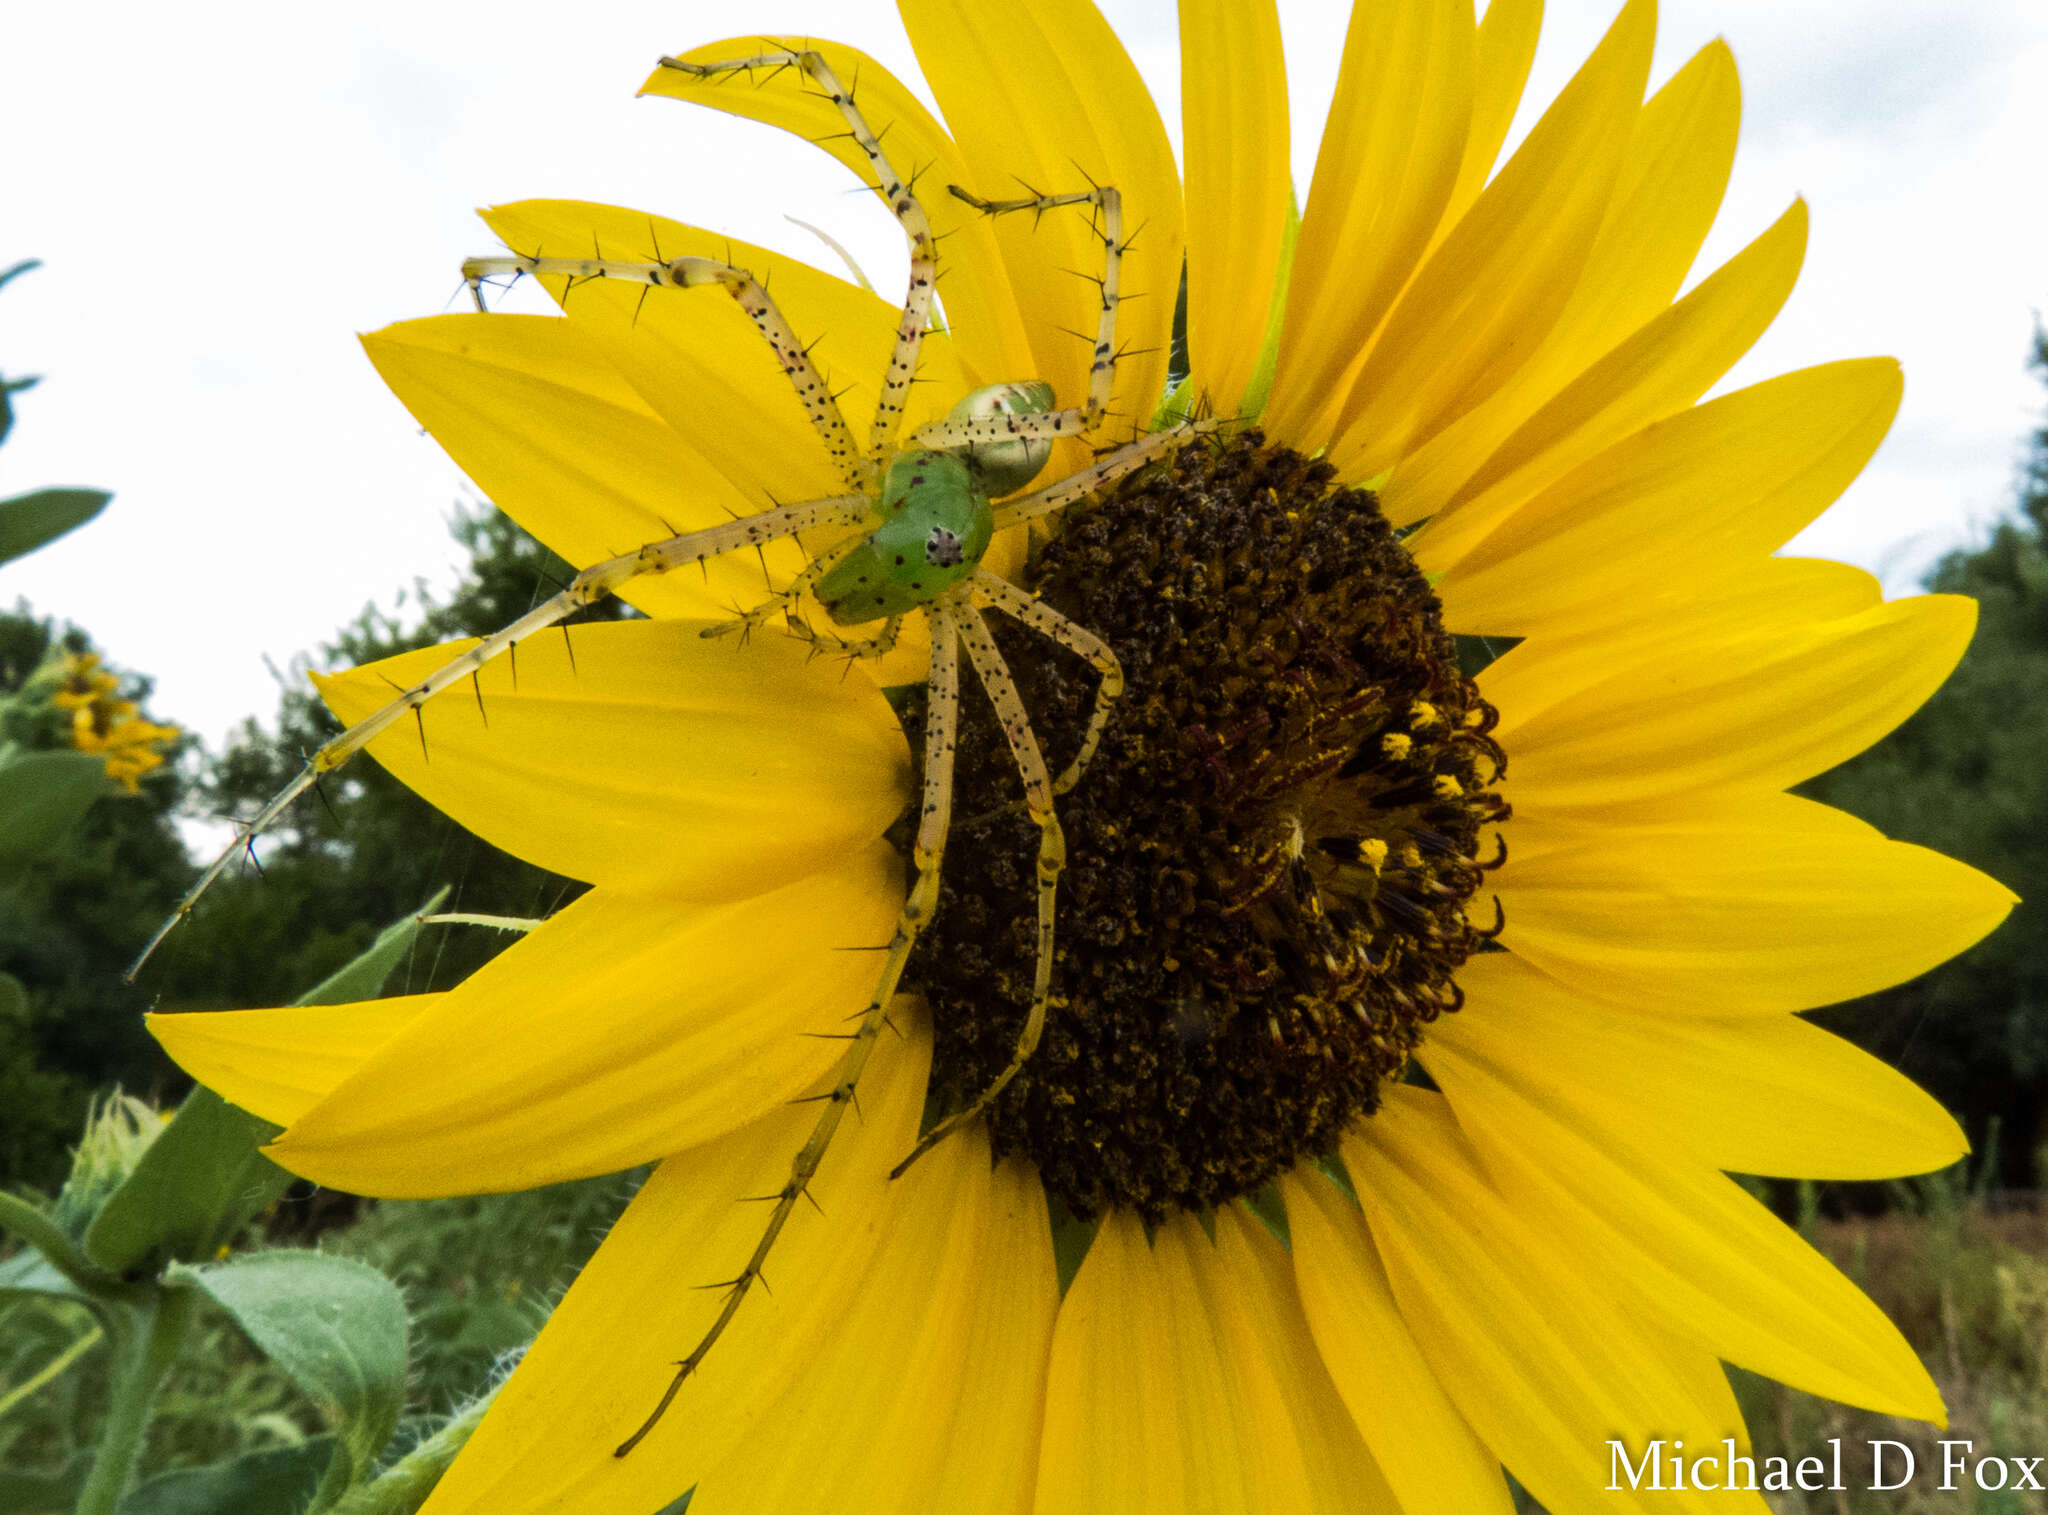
[[320, 789]]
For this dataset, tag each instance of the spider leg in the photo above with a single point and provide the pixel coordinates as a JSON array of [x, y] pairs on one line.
[[1106, 469], [1047, 622], [880, 645], [1109, 206], [994, 674], [785, 598], [760, 308], [903, 204], [934, 816], [592, 584]]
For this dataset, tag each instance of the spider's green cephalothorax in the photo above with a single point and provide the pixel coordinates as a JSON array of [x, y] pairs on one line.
[[936, 524], [936, 520]]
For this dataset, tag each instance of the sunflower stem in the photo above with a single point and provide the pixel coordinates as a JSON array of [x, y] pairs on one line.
[[147, 1330]]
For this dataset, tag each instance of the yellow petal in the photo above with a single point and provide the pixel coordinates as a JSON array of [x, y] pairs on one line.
[[279, 1063], [1250, 1296], [1506, 48], [1480, 307], [1542, 1358], [980, 307], [530, 409], [1426, 1448], [1774, 1095], [1785, 594], [1664, 203], [929, 1391], [1659, 371], [846, 1376], [1183, 1378], [1390, 153], [1120, 1389], [628, 1027], [1701, 494], [1234, 125], [1770, 710], [644, 753], [1044, 96], [1689, 1244], [1752, 905]]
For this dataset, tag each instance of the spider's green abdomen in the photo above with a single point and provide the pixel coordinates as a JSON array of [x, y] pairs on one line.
[[936, 525], [1005, 467]]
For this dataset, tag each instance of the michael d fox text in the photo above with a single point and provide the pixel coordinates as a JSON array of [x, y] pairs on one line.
[[1667, 1467]]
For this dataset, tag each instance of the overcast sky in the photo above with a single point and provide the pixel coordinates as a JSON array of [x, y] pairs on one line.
[[224, 194]]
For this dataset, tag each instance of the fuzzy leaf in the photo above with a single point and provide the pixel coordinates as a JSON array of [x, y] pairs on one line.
[[337, 1326]]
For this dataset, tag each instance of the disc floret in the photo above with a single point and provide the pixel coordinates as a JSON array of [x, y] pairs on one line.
[[1272, 863]]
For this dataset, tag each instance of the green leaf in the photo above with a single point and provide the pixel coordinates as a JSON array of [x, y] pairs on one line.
[[25, 1493], [28, 521], [42, 796], [203, 1179], [337, 1326], [13, 998], [196, 1186], [269, 1482]]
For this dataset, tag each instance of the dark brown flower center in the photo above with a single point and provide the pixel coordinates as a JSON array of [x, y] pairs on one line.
[[1270, 859]]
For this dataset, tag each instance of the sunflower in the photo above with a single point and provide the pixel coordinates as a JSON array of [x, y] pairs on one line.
[[103, 722], [1408, 1020]]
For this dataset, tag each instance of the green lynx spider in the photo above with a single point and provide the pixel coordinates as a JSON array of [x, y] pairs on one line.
[[929, 506]]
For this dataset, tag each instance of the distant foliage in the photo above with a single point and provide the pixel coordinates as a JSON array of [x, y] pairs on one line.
[[68, 926], [1968, 775]]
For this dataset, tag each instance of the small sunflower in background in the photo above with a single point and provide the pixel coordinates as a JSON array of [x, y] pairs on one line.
[[1435, 917], [104, 723]]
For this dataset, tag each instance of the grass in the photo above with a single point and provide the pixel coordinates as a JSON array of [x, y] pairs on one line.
[[1966, 1279]]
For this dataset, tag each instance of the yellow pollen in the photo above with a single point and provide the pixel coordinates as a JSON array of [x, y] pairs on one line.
[[1373, 853], [1397, 745], [1411, 856], [1447, 787], [1422, 714]]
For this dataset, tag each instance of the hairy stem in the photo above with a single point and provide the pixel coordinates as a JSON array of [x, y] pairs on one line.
[[151, 1327], [404, 1486]]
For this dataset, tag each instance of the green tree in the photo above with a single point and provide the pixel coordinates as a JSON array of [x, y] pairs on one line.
[[68, 925], [1968, 776]]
